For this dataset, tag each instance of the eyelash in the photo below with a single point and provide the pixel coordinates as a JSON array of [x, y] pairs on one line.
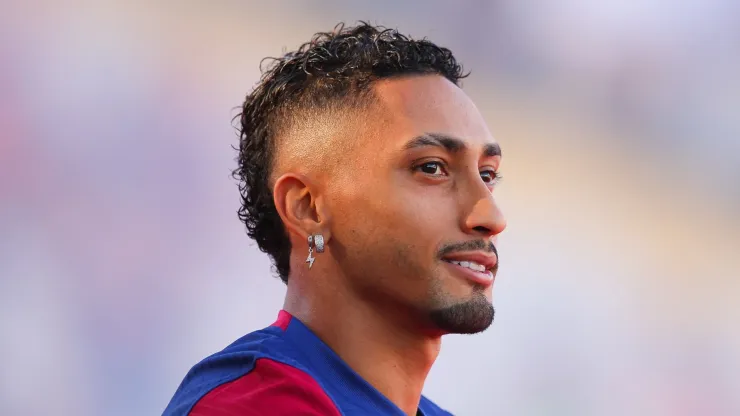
[[495, 175]]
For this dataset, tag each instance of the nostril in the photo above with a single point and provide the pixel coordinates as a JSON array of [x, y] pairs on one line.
[[482, 229]]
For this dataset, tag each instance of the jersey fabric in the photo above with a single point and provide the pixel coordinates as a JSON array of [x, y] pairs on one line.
[[282, 370]]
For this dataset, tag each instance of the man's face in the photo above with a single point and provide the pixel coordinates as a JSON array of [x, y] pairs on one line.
[[416, 196]]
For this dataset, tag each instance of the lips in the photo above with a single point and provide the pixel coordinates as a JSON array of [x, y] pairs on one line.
[[486, 260], [477, 267]]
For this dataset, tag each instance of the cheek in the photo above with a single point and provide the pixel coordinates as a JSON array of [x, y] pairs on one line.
[[392, 222], [415, 223], [428, 214], [416, 218], [384, 242]]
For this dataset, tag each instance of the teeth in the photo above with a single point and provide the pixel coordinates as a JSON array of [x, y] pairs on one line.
[[470, 265]]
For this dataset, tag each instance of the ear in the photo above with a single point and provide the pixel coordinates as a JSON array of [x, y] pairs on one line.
[[301, 207]]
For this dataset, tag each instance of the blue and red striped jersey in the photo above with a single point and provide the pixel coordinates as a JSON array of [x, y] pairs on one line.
[[282, 370]]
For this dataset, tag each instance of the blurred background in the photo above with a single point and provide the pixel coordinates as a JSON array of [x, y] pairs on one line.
[[123, 262]]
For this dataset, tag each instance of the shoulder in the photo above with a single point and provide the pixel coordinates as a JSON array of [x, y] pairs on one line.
[[257, 372], [430, 409], [271, 388]]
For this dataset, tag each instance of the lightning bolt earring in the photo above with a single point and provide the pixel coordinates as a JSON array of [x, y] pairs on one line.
[[310, 259], [314, 241]]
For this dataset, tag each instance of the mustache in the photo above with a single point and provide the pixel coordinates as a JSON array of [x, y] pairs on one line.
[[472, 245]]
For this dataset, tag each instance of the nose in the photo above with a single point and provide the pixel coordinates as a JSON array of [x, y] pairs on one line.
[[484, 217]]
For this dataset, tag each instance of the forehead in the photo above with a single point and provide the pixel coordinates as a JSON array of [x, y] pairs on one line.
[[429, 104]]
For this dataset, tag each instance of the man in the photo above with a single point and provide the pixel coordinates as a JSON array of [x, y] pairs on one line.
[[367, 175]]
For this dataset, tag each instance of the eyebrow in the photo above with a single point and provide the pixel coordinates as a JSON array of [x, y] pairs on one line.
[[449, 143]]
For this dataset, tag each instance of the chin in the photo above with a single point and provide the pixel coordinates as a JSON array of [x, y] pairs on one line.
[[469, 317]]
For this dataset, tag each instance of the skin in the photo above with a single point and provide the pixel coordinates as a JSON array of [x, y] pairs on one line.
[[380, 295]]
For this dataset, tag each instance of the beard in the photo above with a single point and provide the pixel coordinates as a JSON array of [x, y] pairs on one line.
[[469, 317]]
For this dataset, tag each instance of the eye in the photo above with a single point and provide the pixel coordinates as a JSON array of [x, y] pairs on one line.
[[490, 177], [432, 168]]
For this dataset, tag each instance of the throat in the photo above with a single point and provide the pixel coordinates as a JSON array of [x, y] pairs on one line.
[[391, 357]]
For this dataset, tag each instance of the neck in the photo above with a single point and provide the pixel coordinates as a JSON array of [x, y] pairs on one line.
[[394, 357]]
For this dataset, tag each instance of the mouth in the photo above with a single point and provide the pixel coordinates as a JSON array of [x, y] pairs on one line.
[[478, 267]]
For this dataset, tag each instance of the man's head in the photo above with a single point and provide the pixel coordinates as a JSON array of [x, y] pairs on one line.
[[364, 136]]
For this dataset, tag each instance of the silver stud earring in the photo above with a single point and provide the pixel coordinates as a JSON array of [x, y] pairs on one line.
[[314, 241]]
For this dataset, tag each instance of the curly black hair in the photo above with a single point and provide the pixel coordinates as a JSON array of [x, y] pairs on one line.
[[332, 68]]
